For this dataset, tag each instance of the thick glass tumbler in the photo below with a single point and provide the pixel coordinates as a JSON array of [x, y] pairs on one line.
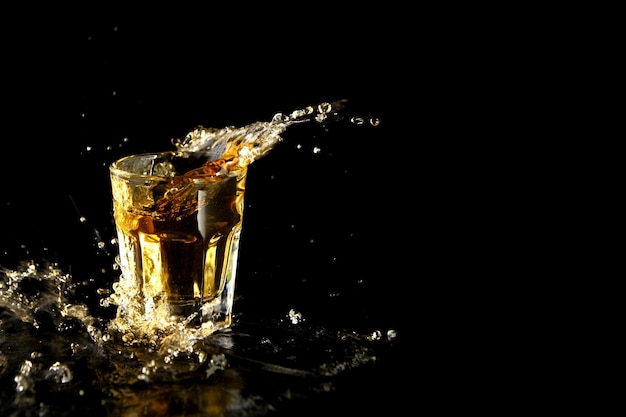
[[178, 222]]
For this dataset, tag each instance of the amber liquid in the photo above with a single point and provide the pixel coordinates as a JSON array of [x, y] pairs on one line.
[[179, 239], [178, 216]]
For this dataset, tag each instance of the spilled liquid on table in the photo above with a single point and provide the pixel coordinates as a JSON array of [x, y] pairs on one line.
[[59, 358]]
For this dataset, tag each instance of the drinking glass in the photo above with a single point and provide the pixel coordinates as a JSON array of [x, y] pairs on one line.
[[178, 221]]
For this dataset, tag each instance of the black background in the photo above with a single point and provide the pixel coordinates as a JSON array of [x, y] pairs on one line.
[[84, 87]]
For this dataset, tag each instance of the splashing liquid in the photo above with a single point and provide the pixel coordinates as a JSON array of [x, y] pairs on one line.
[[58, 359], [220, 153], [230, 148]]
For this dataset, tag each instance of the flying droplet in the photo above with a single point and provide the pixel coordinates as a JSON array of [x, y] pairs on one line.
[[295, 317], [59, 373], [359, 121]]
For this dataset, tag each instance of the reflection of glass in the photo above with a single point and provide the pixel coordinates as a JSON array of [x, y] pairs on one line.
[[216, 397], [178, 223]]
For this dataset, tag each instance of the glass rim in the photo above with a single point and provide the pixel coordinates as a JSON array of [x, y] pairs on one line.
[[115, 169]]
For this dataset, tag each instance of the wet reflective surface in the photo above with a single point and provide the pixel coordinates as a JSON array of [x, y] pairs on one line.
[[57, 364], [320, 297]]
